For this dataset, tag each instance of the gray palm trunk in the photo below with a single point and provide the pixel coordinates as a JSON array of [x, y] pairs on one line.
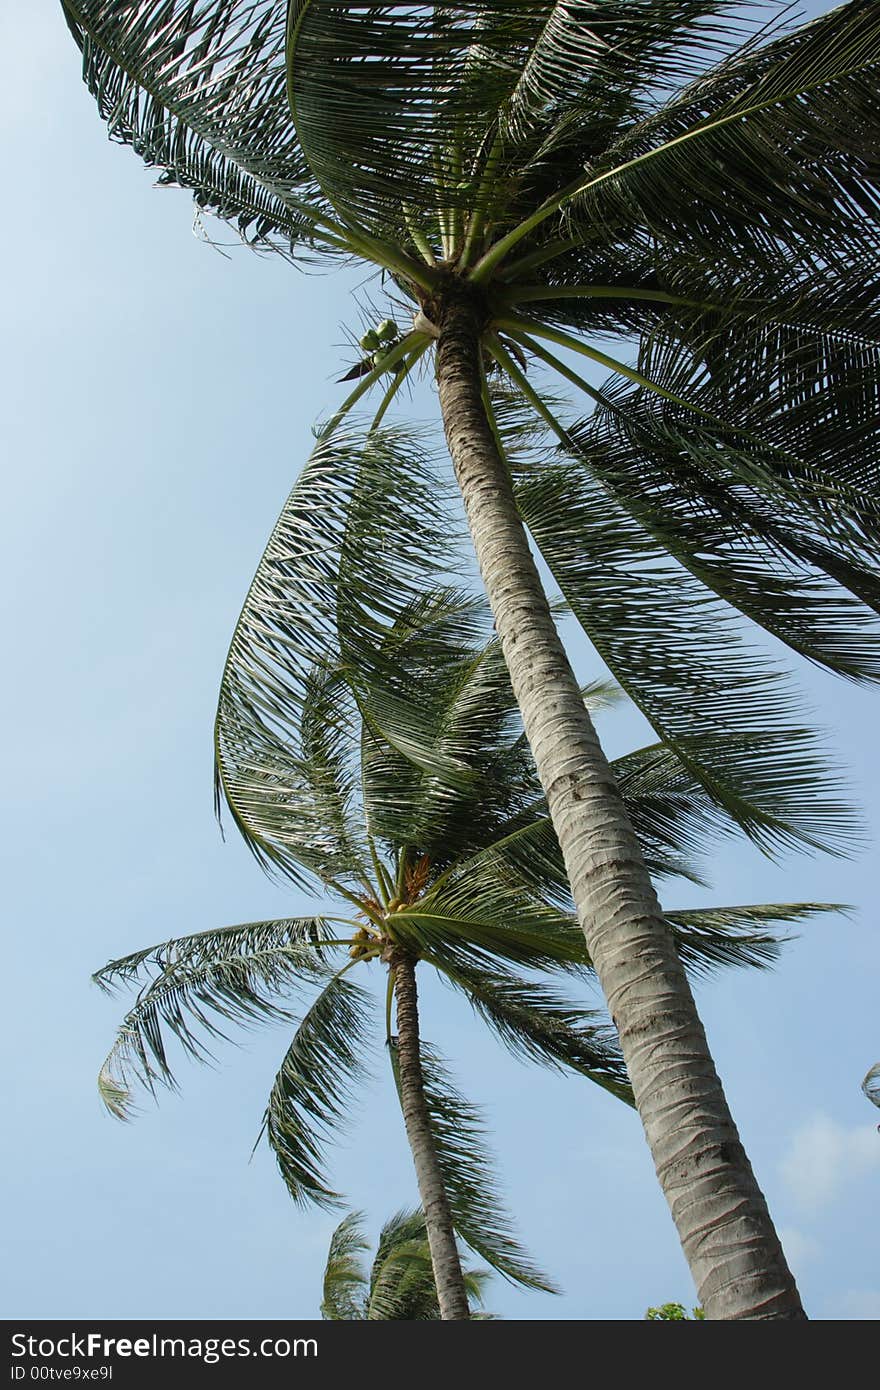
[[448, 1277], [722, 1218]]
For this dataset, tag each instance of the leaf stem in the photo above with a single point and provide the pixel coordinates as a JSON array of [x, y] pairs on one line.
[[514, 323], [521, 294], [394, 356], [559, 366], [477, 220], [399, 378], [496, 253]]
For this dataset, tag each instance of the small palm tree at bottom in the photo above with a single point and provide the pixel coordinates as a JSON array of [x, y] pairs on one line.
[[674, 1312], [408, 790], [400, 1285]]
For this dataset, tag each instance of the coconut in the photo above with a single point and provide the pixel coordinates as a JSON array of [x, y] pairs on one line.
[[387, 331], [379, 357], [370, 341]]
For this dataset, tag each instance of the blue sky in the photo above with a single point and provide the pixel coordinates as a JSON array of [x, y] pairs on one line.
[[158, 398]]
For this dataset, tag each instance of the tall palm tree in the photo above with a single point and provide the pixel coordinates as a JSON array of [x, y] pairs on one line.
[[406, 789], [400, 1284], [535, 178]]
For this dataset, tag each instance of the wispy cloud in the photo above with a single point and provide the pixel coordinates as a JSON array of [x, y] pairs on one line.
[[824, 1156]]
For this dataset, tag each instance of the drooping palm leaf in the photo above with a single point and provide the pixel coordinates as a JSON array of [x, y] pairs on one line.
[[197, 89], [771, 153], [194, 984], [402, 1280], [768, 427], [400, 1285], [537, 1024], [404, 1289], [313, 1094], [361, 534], [469, 1176], [716, 701], [345, 1279], [390, 104], [711, 937]]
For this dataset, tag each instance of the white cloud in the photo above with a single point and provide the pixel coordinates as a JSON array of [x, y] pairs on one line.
[[798, 1247], [824, 1156]]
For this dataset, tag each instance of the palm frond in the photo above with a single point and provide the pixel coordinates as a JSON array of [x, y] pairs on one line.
[[360, 536], [402, 698], [456, 722], [194, 984], [434, 110], [345, 1279], [405, 1289], [779, 449], [675, 821], [313, 1095], [675, 648], [402, 1278], [771, 153], [476, 922], [537, 1024], [468, 1171], [711, 938], [196, 88]]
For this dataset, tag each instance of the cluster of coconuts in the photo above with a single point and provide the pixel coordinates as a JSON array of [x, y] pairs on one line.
[[363, 944], [378, 341]]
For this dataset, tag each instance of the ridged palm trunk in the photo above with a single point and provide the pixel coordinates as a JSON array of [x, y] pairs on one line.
[[722, 1218], [451, 1292]]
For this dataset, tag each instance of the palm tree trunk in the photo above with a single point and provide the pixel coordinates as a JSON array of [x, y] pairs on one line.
[[722, 1218], [451, 1292]]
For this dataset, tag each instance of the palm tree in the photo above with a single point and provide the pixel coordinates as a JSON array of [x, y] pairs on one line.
[[400, 1285], [674, 1312], [406, 789], [535, 178]]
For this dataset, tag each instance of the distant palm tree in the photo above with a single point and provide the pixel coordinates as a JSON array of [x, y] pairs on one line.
[[400, 1285], [405, 788], [534, 179], [674, 1312]]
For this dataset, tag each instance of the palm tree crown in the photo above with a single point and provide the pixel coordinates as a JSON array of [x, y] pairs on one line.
[[400, 1284], [523, 154]]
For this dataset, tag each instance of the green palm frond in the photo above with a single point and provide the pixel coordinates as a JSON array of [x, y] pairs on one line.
[[762, 487], [718, 703], [484, 920], [674, 818], [446, 766], [345, 1279], [402, 1279], [193, 985], [401, 697], [453, 720], [405, 1287], [718, 937], [676, 821], [469, 950], [770, 154], [400, 1286], [444, 108], [359, 538], [538, 1024], [197, 90], [313, 1095], [469, 1176]]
